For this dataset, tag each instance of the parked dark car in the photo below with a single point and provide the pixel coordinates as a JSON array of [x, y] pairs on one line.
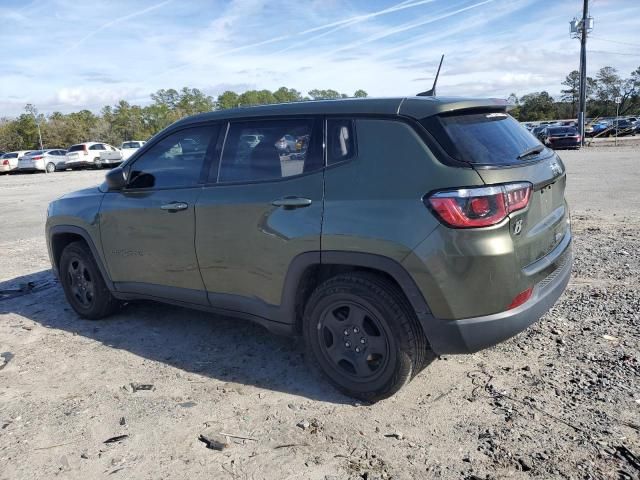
[[408, 227], [560, 137], [537, 131], [621, 128]]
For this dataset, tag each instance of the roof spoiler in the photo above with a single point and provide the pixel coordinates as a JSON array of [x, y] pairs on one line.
[[432, 92]]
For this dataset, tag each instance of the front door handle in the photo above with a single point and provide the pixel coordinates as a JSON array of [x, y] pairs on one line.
[[174, 206], [289, 203]]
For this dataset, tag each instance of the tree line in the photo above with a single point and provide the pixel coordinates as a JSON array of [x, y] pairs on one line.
[[602, 92], [123, 121]]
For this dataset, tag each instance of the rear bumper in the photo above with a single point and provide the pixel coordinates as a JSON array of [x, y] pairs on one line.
[[472, 334], [110, 161], [34, 167], [564, 144], [77, 164]]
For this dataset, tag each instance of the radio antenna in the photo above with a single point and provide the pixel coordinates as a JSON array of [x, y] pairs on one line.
[[432, 92]]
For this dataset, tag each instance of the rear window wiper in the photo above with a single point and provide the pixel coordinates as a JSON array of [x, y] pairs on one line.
[[531, 151]]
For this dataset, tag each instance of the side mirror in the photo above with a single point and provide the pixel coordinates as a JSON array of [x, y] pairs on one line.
[[116, 179]]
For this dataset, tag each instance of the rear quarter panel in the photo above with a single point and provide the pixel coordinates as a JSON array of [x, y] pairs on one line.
[[373, 203]]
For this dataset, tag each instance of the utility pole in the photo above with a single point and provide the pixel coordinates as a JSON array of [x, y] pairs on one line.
[[580, 29]]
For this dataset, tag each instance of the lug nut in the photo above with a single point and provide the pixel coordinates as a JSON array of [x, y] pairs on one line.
[[347, 344], [346, 332], [362, 340], [355, 330], [357, 349]]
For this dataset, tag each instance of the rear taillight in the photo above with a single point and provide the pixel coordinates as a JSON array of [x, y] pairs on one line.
[[479, 207], [5, 162], [86, 150], [39, 157]]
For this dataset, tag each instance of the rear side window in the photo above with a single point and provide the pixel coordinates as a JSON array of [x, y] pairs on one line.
[[175, 161], [341, 144], [269, 150], [97, 146], [483, 138]]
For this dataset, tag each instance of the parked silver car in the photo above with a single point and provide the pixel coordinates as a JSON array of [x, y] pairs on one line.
[[42, 161]]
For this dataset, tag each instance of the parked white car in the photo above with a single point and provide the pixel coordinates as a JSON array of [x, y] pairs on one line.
[[42, 160], [9, 161], [129, 147], [87, 154]]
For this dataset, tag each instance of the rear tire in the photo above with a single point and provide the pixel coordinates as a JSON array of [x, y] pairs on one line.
[[83, 284], [363, 335], [50, 167]]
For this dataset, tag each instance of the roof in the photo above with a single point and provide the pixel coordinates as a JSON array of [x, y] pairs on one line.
[[415, 107]]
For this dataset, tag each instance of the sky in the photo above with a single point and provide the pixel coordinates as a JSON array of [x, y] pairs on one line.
[[67, 55]]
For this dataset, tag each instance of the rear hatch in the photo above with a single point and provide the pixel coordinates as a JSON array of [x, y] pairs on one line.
[[502, 152]]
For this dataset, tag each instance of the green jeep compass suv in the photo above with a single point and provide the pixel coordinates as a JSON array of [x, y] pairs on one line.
[[381, 230]]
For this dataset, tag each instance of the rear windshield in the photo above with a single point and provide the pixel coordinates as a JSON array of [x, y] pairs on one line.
[[75, 148], [483, 138], [563, 131], [37, 152], [131, 145]]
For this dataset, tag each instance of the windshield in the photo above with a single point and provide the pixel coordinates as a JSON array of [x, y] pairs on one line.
[[483, 138]]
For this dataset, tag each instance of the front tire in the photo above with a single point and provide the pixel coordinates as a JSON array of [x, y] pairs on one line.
[[83, 284], [362, 334]]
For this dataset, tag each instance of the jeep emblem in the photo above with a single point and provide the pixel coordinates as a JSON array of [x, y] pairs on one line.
[[517, 227]]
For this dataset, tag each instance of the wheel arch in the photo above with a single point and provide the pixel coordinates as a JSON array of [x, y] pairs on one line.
[[309, 269], [62, 235]]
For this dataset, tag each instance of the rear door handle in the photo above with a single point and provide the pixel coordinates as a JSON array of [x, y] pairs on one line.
[[174, 206], [289, 203]]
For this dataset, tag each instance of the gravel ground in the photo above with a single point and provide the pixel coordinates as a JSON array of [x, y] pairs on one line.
[[561, 400]]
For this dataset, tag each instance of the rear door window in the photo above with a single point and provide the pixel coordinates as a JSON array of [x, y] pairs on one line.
[[269, 150], [76, 148], [483, 138]]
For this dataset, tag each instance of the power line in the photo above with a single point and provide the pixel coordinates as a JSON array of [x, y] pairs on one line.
[[616, 41], [615, 53]]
